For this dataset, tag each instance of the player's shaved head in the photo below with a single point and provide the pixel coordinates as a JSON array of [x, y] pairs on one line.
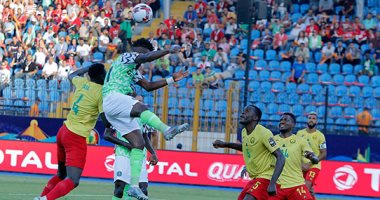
[[291, 115], [97, 73], [144, 43], [257, 111]]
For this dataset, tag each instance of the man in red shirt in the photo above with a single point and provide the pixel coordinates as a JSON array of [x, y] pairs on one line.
[[217, 34], [200, 8], [115, 29], [312, 26]]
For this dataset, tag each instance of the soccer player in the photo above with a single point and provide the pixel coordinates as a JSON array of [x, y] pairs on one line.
[[294, 149], [71, 137], [122, 171], [121, 108], [259, 151], [317, 143]]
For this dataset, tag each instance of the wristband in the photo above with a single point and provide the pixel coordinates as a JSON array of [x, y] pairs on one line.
[[170, 80]]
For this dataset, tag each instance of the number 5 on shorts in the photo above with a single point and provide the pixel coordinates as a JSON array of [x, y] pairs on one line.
[[256, 185]]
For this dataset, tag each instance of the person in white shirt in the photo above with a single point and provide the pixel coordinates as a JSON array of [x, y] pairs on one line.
[[15, 5], [40, 56], [48, 36], [327, 53], [220, 59], [204, 63], [50, 69], [83, 51], [5, 75], [104, 40], [64, 70]]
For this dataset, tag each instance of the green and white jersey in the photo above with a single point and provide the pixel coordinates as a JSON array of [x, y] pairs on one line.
[[122, 75], [122, 151]]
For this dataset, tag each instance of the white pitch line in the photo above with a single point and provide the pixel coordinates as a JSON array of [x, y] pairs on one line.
[[71, 195]]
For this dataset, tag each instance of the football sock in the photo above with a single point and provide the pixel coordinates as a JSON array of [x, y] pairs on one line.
[[125, 192], [61, 189], [148, 117], [50, 185], [137, 156], [115, 198]]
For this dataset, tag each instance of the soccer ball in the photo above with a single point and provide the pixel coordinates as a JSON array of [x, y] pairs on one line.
[[142, 13]]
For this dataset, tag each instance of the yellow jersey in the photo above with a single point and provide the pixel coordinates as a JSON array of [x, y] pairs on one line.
[[316, 141], [293, 149], [257, 152], [87, 104]]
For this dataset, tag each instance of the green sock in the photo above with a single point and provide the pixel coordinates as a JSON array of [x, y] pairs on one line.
[[148, 117], [137, 156], [115, 198], [125, 193]]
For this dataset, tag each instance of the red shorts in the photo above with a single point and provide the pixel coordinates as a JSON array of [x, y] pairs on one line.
[[71, 148], [258, 188], [311, 175], [295, 193]]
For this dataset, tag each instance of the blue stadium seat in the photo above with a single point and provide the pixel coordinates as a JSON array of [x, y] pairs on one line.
[[345, 101], [252, 74], [325, 78], [281, 98], [265, 86], [376, 92], [322, 68], [275, 118], [319, 99], [338, 79], [184, 103], [363, 80], [283, 108], [234, 52], [261, 106], [208, 105], [41, 84], [278, 87], [30, 83], [207, 33], [291, 88], [321, 111], [54, 96], [188, 113], [272, 108], [312, 78], [255, 34], [303, 88], [19, 83], [174, 111], [349, 112], [375, 81], [304, 8], [265, 117], [348, 69], [293, 98], [268, 97], [297, 110], [44, 106], [255, 96], [274, 76], [65, 85], [367, 91], [53, 84], [285, 66], [331, 89], [316, 89], [341, 90], [240, 74], [310, 109], [296, 9], [173, 102], [86, 64], [285, 76], [306, 99], [358, 101], [332, 100], [207, 93], [364, 47], [20, 93], [341, 124], [30, 94], [182, 92], [334, 68], [264, 75], [172, 91], [259, 53], [62, 34], [221, 105], [370, 103], [317, 57], [260, 65], [219, 93], [354, 91], [270, 55], [335, 112], [274, 65], [358, 68], [310, 67], [7, 92], [296, 16], [254, 85], [349, 79]]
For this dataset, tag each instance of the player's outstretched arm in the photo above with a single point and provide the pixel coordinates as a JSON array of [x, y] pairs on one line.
[[312, 157], [150, 86], [110, 137], [79, 72], [154, 55], [148, 145], [221, 144], [280, 162]]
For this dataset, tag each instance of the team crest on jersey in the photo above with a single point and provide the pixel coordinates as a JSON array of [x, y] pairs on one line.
[[119, 173], [252, 140], [271, 141], [292, 141]]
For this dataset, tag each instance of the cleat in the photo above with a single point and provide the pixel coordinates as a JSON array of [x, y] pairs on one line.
[[175, 130], [136, 192], [40, 198]]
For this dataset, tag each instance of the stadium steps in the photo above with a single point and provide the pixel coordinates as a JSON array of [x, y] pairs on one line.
[[177, 10]]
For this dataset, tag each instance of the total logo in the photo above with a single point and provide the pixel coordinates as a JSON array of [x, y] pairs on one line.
[[345, 177]]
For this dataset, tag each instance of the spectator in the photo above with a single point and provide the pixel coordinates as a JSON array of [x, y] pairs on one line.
[[104, 40], [188, 52], [190, 15], [34, 110], [204, 63], [162, 67], [210, 73], [298, 71], [369, 22], [326, 6], [163, 41], [340, 52], [40, 57], [217, 34], [231, 28], [288, 54], [275, 27], [364, 120], [61, 47], [297, 28], [302, 51], [115, 29], [50, 69], [209, 52], [5, 77], [83, 51], [126, 28], [315, 42], [224, 45], [266, 40], [327, 53], [302, 38], [9, 28], [228, 73], [29, 68], [220, 59], [200, 8], [348, 8], [29, 37], [311, 28], [198, 77], [18, 59], [162, 29], [64, 70], [361, 36], [352, 55], [72, 49], [280, 40], [368, 64]]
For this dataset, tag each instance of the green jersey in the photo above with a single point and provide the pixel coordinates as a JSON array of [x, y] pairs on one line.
[[122, 75]]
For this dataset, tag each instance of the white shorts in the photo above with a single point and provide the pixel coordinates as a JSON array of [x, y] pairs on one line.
[[117, 108], [122, 170]]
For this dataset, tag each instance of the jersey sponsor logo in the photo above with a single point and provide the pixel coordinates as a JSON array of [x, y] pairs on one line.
[[271, 141], [345, 177]]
